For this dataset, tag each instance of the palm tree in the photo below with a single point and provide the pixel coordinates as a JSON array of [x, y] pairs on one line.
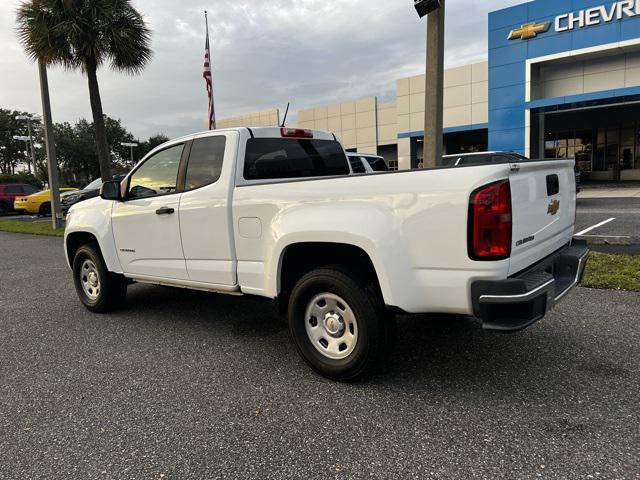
[[85, 35]]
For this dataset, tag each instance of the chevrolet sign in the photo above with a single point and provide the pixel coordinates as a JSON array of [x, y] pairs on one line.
[[587, 17]]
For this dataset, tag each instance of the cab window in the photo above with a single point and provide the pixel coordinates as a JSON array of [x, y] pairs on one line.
[[281, 158], [158, 175], [205, 162]]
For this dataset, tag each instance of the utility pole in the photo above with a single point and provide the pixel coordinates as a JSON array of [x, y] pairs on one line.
[[434, 83], [27, 141], [29, 119], [131, 145], [52, 164]]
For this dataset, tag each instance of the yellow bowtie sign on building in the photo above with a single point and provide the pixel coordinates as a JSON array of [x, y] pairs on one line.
[[529, 30]]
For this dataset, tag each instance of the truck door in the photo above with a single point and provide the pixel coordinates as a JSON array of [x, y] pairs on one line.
[[206, 223], [146, 227]]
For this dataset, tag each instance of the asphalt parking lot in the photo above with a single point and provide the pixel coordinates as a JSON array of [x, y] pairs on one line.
[[193, 385], [610, 224]]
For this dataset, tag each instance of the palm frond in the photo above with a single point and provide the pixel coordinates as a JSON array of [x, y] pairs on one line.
[[78, 33], [129, 40]]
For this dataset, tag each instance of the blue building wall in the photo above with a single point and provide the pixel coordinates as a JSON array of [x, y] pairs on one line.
[[507, 59]]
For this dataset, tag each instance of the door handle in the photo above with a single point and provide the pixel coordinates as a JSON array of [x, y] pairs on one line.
[[165, 211]]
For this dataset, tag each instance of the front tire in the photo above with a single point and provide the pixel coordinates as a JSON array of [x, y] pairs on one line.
[[4, 209], [98, 289], [339, 323]]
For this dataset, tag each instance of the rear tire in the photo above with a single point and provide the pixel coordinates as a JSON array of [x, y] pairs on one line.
[[4, 209], [98, 289], [45, 210], [339, 323]]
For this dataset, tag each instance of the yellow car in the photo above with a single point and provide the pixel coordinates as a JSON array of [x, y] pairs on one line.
[[38, 203]]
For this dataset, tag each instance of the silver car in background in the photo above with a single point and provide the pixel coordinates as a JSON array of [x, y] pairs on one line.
[[366, 163]]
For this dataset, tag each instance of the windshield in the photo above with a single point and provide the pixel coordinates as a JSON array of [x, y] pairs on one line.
[[377, 164], [96, 184], [356, 164]]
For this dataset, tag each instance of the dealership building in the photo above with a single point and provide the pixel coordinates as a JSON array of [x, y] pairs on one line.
[[561, 80]]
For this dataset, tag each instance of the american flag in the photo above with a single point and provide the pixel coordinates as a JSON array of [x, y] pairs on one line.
[[208, 78]]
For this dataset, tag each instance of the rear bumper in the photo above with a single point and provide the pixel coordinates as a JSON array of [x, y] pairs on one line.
[[515, 303]]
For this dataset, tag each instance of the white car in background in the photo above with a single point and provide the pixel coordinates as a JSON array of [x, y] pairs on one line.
[[366, 163]]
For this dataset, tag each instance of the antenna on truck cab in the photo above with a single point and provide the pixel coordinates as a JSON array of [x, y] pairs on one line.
[[285, 114]]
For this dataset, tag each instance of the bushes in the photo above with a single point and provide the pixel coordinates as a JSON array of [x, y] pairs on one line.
[[20, 178]]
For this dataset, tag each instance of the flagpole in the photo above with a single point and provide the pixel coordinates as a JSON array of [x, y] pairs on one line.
[[212, 111]]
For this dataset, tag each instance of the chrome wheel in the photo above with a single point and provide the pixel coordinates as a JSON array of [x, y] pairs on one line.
[[331, 326], [90, 280]]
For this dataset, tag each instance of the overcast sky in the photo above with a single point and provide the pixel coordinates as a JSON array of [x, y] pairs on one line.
[[265, 53]]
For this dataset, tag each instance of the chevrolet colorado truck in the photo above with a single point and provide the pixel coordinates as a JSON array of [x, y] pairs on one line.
[[274, 212]]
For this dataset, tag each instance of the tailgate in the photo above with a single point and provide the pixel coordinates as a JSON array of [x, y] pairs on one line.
[[543, 197]]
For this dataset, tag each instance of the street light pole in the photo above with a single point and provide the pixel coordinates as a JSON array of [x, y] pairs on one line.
[[52, 164], [27, 141], [434, 89], [33, 150], [131, 146], [29, 119]]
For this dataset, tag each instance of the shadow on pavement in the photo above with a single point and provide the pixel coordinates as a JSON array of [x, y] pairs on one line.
[[447, 354]]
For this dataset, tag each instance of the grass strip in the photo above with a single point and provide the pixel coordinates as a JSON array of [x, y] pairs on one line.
[[34, 228], [612, 272]]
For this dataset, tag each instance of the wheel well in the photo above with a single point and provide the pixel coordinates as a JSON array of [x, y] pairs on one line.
[[301, 258], [75, 240]]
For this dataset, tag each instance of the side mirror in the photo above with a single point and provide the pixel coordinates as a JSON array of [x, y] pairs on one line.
[[111, 191]]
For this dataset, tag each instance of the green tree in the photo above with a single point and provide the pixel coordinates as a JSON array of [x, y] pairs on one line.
[[12, 152], [153, 142], [78, 160], [85, 35]]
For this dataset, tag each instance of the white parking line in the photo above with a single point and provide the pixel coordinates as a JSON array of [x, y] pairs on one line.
[[594, 227]]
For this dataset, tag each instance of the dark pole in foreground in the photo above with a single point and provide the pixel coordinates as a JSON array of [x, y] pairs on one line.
[[52, 165], [434, 89]]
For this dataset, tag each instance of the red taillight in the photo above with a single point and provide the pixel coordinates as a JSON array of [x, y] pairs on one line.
[[490, 222], [296, 132]]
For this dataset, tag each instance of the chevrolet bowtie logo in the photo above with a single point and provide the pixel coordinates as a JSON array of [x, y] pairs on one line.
[[529, 30]]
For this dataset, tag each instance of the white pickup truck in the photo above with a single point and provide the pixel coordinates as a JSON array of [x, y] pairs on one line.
[[274, 212]]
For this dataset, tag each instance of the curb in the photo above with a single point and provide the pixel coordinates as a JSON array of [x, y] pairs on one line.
[[610, 240]]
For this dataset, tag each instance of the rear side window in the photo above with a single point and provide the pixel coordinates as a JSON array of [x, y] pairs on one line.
[[356, 165], [13, 189], [281, 158], [205, 162], [377, 164]]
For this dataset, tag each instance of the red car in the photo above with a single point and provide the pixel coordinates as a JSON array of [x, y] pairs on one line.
[[9, 192]]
